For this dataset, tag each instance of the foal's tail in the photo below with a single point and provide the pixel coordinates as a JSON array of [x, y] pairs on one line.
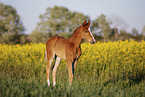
[[45, 55]]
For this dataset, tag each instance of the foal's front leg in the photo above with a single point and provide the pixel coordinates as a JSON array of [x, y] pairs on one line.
[[69, 66], [78, 54], [70, 57]]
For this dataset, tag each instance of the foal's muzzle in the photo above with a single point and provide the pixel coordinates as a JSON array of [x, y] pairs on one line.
[[93, 41]]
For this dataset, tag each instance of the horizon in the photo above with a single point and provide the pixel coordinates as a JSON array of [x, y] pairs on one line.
[[130, 11]]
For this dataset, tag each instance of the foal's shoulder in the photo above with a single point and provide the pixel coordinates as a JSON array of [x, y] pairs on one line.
[[71, 44]]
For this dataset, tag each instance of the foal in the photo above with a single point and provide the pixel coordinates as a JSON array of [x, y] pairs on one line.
[[68, 49]]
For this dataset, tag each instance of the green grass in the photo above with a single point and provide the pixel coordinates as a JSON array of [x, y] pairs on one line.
[[29, 80]]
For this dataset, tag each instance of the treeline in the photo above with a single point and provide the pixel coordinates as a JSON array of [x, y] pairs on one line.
[[61, 21]]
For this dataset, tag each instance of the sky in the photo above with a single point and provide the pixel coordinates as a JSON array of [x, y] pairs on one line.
[[132, 12]]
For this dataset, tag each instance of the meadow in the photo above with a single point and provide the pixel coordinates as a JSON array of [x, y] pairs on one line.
[[112, 69]]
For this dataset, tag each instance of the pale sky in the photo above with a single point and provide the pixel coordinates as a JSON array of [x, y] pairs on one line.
[[131, 11]]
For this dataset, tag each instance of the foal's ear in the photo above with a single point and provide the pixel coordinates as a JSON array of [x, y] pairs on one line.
[[88, 23], [84, 23]]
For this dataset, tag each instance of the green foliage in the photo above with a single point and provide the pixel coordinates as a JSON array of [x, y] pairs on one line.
[[37, 37], [104, 69], [143, 33], [9, 20], [57, 20], [10, 24], [11, 38], [134, 32], [102, 24], [7, 37]]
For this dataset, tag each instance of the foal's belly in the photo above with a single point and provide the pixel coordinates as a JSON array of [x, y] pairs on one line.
[[60, 48]]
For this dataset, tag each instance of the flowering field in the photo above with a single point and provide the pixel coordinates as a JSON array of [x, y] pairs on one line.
[[104, 69]]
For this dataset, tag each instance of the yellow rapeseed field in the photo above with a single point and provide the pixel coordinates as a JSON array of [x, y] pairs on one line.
[[111, 60]]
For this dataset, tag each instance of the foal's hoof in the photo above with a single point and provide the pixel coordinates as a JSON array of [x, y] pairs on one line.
[[54, 84], [48, 83], [70, 84]]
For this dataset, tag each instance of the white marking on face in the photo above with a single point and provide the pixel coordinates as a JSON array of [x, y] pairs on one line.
[[48, 82], [91, 33]]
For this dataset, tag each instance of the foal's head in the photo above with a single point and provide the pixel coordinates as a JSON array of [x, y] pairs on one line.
[[86, 32]]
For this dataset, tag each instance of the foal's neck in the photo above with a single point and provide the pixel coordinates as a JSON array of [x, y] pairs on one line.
[[76, 37]]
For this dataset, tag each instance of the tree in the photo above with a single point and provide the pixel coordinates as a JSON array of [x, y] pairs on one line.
[[58, 20], [114, 34], [134, 31], [143, 32], [36, 37], [7, 37], [118, 22], [119, 25], [123, 35], [102, 24], [9, 20]]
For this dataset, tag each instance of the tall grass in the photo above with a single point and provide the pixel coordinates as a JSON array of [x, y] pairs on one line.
[[114, 69]]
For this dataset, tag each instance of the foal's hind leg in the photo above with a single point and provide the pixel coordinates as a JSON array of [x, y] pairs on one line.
[[50, 56], [57, 61]]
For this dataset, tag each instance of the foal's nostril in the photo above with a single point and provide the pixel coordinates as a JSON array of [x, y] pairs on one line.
[[93, 42]]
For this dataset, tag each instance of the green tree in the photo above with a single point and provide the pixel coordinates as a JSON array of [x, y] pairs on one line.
[[37, 37], [143, 32], [10, 24], [118, 24], [58, 20], [9, 20], [134, 31], [102, 25], [114, 34], [135, 34], [123, 35]]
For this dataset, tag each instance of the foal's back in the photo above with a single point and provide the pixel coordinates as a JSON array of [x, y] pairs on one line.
[[58, 46]]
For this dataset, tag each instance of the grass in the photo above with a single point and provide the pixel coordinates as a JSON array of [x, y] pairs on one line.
[[108, 74]]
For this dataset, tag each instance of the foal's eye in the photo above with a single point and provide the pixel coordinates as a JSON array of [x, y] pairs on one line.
[[85, 31]]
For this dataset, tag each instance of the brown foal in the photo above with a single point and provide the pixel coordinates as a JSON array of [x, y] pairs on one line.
[[68, 49]]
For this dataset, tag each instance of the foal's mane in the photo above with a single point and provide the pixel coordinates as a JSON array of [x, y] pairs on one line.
[[74, 33], [76, 29]]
